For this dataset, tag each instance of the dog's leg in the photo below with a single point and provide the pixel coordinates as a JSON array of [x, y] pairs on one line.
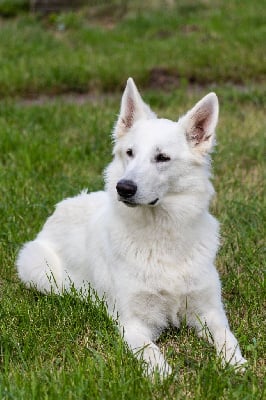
[[213, 325], [139, 341]]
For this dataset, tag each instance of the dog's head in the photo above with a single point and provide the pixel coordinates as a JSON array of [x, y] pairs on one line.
[[154, 158]]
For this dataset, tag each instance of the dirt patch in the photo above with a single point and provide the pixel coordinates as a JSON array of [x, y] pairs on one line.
[[167, 79], [163, 34], [71, 97], [162, 78], [187, 29], [159, 79]]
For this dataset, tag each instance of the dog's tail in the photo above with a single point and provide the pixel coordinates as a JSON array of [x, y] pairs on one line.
[[39, 266]]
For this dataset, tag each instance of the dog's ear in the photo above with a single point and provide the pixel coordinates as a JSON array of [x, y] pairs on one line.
[[132, 109], [200, 123]]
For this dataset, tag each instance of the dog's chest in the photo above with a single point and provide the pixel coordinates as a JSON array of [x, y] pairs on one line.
[[157, 291], [157, 272], [157, 263]]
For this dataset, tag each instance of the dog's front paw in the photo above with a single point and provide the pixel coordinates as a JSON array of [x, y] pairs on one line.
[[156, 364], [162, 370], [239, 364], [165, 370]]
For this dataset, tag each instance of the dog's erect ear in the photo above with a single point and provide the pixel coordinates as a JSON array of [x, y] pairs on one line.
[[132, 109], [200, 123]]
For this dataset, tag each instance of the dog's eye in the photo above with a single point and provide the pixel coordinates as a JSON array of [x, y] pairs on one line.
[[129, 152], [162, 158]]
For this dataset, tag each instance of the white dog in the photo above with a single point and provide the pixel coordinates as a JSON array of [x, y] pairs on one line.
[[147, 243]]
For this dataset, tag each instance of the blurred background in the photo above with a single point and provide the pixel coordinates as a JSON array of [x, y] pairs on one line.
[[54, 46]]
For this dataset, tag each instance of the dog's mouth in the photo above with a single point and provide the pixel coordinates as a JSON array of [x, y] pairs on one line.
[[131, 203], [152, 203]]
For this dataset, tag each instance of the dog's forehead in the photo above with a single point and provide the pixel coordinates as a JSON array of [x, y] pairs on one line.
[[157, 130]]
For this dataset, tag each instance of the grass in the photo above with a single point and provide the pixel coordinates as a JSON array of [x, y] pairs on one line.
[[52, 147], [194, 41]]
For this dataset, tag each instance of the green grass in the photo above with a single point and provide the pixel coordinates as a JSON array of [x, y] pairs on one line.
[[195, 41], [59, 347]]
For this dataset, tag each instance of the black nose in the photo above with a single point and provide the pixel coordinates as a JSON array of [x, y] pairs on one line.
[[126, 188]]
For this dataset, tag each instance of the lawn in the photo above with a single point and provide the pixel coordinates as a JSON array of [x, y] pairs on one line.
[[61, 78]]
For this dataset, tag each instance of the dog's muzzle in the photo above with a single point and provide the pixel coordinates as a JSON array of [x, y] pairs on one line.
[[126, 190]]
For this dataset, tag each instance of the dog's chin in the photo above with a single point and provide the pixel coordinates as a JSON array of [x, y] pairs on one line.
[[131, 203]]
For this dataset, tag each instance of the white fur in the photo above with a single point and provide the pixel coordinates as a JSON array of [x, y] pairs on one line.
[[154, 263]]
